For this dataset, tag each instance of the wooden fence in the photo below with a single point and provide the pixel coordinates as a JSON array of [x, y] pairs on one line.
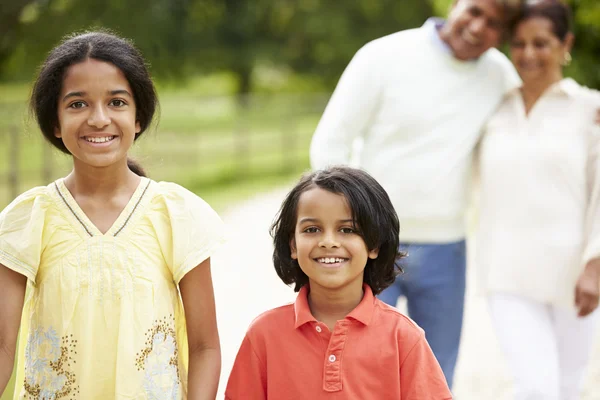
[[270, 137]]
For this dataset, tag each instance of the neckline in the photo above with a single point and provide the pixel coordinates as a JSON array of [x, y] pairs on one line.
[[86, 224]]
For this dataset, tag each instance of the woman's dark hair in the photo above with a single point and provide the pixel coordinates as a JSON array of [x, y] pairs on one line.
[[557, 12], [76, 48], [372, 212]]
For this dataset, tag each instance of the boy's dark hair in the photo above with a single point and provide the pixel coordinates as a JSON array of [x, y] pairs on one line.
[[76, 48], [372, 212], [557, 12]]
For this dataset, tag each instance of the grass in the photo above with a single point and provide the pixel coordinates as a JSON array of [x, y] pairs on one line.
[[204, 141]]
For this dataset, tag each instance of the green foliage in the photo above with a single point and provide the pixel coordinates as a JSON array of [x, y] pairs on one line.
[[586, 52], [181, 38]]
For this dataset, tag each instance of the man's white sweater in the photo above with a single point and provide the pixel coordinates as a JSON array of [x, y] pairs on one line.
[[419, 112]]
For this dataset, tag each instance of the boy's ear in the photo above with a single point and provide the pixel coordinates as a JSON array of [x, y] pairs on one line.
[[294, 252], [373, 254]]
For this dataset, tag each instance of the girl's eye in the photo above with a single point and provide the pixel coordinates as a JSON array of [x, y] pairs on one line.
[[347, 230], [117, 103], [311, 229], [77, 104]]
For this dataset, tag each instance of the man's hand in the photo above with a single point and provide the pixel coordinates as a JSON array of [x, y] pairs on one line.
[[587, 290]]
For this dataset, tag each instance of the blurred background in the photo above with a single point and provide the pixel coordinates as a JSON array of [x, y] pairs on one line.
[[242, 83]]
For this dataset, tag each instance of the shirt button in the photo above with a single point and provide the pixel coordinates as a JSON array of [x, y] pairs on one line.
[[332, 358], [318, 328]]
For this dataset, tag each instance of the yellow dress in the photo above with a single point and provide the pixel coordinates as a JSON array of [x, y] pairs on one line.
[[103, 317]]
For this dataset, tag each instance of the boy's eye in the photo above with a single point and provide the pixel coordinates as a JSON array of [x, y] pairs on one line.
[[77, 104], [117, 103]]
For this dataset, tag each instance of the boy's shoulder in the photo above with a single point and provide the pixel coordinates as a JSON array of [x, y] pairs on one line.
[[395, 320], [279, 317]]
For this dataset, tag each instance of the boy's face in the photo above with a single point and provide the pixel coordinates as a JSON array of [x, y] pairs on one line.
[[473, 27], [326, 243]]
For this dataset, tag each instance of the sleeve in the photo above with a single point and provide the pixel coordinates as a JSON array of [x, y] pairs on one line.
[[421, 376], [349, 111], [248, 378], [21, 230], [592, 247], [196, 230], [510, 77]]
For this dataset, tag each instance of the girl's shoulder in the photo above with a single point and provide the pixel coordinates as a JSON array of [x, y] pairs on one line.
[[183, 208], [28, 203], [171, 194]]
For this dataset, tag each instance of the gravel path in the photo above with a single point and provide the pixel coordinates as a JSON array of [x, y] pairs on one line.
[[246, 285]]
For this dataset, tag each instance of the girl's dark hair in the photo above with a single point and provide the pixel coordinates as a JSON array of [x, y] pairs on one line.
[[76, 48], [556, 11], [372, 212]]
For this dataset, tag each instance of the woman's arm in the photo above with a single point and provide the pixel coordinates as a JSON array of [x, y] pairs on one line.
[[12, 295], [587, 290], [203, 336]]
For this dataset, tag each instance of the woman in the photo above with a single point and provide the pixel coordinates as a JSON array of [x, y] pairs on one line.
[[539, 229]]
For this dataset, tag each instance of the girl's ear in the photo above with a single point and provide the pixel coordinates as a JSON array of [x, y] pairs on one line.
[[373, 254], [57, 132], [138, 128], [294, 254]]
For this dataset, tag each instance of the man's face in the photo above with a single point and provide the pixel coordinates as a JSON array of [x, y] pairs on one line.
[[473, 27]]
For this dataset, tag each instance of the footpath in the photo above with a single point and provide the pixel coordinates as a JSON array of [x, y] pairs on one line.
[[246, 285]]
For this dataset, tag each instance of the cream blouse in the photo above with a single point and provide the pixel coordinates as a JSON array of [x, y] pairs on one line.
[[540, 194]]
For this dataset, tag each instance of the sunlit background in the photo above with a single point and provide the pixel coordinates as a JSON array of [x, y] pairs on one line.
[[242, 83]]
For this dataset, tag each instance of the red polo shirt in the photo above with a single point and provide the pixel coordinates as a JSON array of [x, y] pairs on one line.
[[375, 353]]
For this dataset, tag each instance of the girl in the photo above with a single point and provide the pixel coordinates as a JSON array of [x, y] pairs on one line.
[[539, 241], [336, 239], [107, 253]]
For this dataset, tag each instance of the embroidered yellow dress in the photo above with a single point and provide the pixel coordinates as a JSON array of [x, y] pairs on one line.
[[103, 318]]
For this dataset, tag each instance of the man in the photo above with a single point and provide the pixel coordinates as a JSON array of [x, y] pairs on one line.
[[419, 99]]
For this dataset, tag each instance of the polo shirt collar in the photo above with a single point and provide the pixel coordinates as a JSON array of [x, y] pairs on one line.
[[363, 312]]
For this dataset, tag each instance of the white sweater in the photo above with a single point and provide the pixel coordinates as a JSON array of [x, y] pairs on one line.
[[540, 194], [419, 112]]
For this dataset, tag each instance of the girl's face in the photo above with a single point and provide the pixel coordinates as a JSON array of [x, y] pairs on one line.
[[96, 114], [326, 243], [537, 53]]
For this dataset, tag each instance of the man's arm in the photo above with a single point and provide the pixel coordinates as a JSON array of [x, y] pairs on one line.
[[349, 111]]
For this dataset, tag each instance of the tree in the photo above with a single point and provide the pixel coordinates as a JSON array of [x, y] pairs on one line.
[[10, 27]]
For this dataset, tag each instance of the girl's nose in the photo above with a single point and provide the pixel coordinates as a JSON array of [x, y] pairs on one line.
[[99, 117]]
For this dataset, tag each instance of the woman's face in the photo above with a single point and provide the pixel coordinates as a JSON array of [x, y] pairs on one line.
[[536, 52]]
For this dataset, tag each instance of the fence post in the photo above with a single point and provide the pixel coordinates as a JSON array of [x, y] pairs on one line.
[[289, 142], [13, 156], [242, 139]]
